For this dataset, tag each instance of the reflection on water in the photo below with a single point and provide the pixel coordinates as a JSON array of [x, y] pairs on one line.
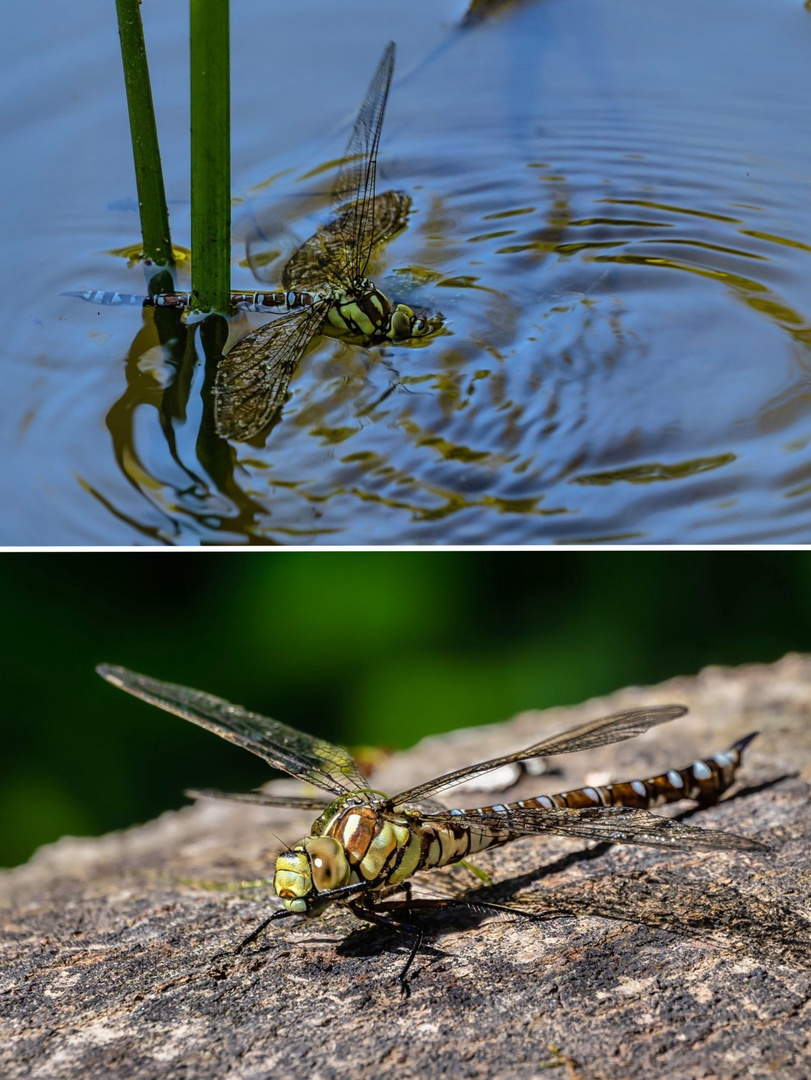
[[621, 252]]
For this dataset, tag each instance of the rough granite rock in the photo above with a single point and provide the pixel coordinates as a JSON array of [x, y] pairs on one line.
[[648, 963]]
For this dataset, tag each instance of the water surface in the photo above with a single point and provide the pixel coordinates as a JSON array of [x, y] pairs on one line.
[[611, 208]]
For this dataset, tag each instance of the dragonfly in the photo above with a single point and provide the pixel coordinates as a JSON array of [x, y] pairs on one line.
[[365, 846], [324, 285]]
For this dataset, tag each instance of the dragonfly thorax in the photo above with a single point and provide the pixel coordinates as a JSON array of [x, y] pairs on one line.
[[362, 312]]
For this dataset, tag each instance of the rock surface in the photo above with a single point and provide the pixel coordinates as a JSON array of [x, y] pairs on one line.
[[116, 961]]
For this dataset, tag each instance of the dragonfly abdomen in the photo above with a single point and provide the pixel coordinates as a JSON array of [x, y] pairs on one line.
[[108, 299], [275, 303], [447, 843], [704, 781]]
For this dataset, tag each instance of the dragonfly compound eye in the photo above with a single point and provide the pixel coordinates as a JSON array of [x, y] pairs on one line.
[[328, 863], [403, 322]]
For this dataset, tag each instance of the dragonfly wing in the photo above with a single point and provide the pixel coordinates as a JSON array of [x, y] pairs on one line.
[[424, 806], [252, 379], [606, 824], [303, 756], [323, 255], [608, 729], [355, 183], [259, 798]]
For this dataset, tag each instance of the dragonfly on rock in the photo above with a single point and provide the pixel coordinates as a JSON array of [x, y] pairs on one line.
[[365, 846], [324, 285]]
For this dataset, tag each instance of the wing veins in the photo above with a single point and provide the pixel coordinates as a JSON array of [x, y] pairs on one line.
[[300, 755], [594, 733], [316, 260], [605, 824], [259, 798], [252, 379], [357, 176]]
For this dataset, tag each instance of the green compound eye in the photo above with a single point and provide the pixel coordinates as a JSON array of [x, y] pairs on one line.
[[328, 863], [403, 322]]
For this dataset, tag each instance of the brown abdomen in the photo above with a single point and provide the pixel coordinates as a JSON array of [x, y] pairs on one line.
[[704, 781]]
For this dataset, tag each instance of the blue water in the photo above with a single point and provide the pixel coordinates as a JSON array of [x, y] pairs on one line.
[[612, 209]]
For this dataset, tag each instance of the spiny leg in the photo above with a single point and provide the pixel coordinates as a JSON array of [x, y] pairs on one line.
[[254, 934], [371, 915]]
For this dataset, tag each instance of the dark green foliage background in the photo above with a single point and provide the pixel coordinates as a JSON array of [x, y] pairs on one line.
[[364, 648]]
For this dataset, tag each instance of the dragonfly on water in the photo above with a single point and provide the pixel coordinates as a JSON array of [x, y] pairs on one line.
[[324, 285], [364, 846]]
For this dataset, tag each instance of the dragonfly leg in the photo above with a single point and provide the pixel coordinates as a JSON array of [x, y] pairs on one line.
[[471, 905], [371, 915], [481, 907], [254, 934], [375, 915]]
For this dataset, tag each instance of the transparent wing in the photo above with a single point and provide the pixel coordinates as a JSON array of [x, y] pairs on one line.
[[252, 379], [607, 824], [259, 798], [294, 752], [608, 729], [322, 257], [355, 183], [424, 806]]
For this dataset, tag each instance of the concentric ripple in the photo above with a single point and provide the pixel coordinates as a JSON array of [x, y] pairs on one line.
[[621, 249]]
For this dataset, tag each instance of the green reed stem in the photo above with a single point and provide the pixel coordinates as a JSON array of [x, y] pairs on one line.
[[144, 133], [210, 154]]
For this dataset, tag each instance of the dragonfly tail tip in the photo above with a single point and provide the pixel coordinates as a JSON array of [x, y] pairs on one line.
[[742, 744]]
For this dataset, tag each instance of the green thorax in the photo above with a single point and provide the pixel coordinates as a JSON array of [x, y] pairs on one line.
[[342, 803]]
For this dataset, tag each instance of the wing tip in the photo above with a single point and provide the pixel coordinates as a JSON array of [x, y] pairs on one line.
[[677, 709], [114, 674]]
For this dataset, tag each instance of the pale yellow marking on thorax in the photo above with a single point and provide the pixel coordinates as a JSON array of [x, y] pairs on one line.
[[380, 850], [351, 824]]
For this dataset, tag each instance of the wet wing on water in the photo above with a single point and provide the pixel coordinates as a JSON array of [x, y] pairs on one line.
[[355, 183], [314, 262], [252, 379], [324, 285], [336, 256]]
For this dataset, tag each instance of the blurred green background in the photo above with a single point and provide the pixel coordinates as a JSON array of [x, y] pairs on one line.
[[377, 648]]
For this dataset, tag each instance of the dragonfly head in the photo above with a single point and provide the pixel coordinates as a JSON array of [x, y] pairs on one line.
[[406, 324], [314, 866]]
